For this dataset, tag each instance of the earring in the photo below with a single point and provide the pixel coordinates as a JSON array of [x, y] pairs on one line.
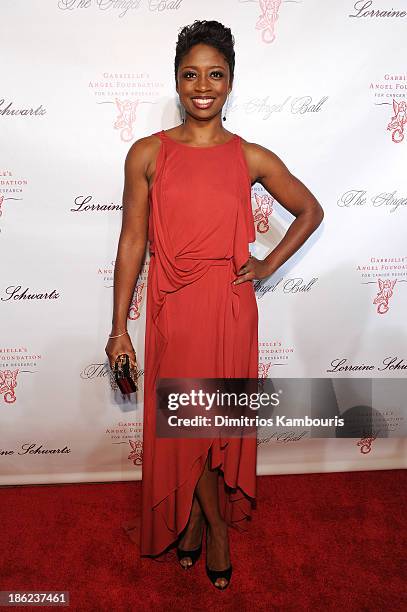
[[227, 102], [182, 112]]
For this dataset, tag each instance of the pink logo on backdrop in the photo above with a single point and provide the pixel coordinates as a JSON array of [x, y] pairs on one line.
[[267, 20], [385, 293], [126, 92], [8, 382], [134, 311], [366, 444], [136, 455], [262, 213], [264, 369], [126, 118], [398, 121], [1, 202]]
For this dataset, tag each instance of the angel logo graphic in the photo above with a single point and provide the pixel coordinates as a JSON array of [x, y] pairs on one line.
[[263, 211], [366, 445], [267, 19], [385, 293], [136, 454], [262, 374], [396, 125], [8, 382], [263, 369], [126, 118], [134, 312]]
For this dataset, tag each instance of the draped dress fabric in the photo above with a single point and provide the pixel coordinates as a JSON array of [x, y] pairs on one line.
[[198, 325]]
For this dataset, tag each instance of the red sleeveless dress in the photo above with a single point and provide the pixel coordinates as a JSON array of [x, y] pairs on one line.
[[198, 325]]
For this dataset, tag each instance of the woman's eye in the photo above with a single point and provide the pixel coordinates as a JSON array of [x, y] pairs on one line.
[[215, 72]]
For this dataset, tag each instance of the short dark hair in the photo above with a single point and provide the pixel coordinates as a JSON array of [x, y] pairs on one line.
[[210, 33]]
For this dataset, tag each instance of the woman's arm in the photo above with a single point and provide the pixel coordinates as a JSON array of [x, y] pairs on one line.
[[269, 170], [133, 236]]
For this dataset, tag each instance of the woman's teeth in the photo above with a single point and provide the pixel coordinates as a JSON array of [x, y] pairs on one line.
[[202, 102]]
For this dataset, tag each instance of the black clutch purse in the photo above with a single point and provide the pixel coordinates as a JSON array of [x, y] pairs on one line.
[[124, 377]]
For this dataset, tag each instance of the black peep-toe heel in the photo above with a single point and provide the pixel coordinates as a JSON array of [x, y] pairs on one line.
[[192, 554], [214, 575]]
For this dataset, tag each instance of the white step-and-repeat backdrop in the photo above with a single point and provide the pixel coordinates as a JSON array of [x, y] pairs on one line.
[[324, 86]]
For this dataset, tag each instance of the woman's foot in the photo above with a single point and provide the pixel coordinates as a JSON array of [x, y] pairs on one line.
[[217, 551], [192, 538]]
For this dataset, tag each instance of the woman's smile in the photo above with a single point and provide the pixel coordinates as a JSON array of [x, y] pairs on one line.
[[203, 103]]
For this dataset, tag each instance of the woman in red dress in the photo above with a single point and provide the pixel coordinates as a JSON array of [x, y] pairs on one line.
[[188, 194]]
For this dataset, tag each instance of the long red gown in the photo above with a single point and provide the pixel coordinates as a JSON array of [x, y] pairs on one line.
[[198, 325]]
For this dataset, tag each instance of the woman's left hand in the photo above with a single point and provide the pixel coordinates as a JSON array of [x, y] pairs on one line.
[[253, 269]]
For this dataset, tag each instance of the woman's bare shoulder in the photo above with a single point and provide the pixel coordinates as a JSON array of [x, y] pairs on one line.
[[258, 158], [141, 158], [143, 150], [254, 149]]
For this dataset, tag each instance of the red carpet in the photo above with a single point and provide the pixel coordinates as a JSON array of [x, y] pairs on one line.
[[317, 542]]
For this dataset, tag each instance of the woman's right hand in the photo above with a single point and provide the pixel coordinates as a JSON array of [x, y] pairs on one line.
[[117, 346]]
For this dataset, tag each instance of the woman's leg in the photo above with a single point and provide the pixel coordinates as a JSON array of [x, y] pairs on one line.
[[192, 536], [207, 501], [206, 505]]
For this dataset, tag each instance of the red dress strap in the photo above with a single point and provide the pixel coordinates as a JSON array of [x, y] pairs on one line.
[[158, 134]]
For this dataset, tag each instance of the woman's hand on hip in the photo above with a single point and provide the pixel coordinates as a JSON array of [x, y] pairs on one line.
[[253, 269]]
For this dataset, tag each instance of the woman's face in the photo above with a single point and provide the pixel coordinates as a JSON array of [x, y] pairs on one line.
[[203, 82]]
